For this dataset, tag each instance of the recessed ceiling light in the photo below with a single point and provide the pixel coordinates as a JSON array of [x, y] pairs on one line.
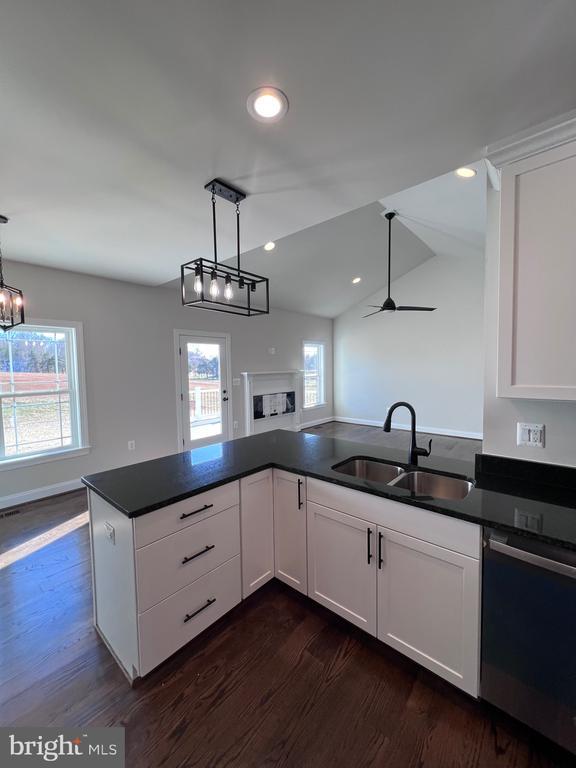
[[356, 280], [267, 104], [269, 246], [465, 173]]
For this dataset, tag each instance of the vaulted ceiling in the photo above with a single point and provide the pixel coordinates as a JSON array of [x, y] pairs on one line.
[[115, 114]]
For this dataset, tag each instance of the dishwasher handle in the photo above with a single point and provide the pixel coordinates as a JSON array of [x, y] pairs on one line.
[[532, 559]]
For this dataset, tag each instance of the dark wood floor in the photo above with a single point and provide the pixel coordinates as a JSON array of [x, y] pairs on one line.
[[278, 682], [461, 448]]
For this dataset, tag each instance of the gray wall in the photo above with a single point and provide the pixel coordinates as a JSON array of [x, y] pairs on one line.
[[432, 360], [129, 351], [502, 414]]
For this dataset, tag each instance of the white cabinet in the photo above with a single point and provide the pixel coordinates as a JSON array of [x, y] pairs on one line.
[[537, 311], [342, 565], [290, 529], [257, 530], [428, 606]]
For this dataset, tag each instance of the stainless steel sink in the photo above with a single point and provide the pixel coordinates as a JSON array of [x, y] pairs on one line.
[[369, 469], [436, 486]]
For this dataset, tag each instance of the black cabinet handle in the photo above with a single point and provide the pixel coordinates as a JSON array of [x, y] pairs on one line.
[[207, 605], [299, 494], [380, 558], [184, 515], [368, 542], [207, 548]]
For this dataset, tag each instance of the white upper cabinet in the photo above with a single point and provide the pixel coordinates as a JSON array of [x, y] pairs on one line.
[[257, 530], [290, 529], [537, 308], [342, 565]]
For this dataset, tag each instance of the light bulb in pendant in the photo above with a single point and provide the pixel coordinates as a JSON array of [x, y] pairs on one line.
[[198, 279], [18, 301], [214, 289], [228, 292]]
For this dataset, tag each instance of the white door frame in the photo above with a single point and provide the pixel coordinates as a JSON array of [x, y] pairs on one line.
[[225, 337]]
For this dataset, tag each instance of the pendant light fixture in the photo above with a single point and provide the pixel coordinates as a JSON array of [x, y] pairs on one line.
[[11, 299], [211, 284], [389, 304]]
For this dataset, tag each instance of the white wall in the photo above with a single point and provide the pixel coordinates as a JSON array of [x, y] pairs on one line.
[[129, 351], [502, 414], [433, 360]]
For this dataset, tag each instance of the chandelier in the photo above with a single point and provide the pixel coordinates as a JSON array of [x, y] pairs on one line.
[[11, 299], [212, 284]]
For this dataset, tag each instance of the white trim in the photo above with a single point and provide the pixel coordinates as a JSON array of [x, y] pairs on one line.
[[406, 427], [553, 133], [20, 462], [178, 380], [39, 493], [316, 422]]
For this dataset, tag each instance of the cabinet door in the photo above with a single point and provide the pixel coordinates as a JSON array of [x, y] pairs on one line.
[[429, 606], [342, 565], [290, 556], [257, 530], [537, 312]]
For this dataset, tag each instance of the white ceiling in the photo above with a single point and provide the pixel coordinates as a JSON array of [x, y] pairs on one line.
[[311, 271], [115, 114], [447, 213]]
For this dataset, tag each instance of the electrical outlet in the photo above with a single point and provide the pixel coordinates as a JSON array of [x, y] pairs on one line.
[[110, 532], [235, 425], [529, 521], [131, 445], [530, 435]]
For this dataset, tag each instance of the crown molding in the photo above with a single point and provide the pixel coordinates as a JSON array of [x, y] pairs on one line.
[[553, 133]]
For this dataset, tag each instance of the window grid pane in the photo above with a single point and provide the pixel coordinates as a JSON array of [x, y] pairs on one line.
[[36, 401]]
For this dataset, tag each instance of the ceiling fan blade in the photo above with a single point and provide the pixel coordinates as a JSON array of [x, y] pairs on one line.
[[416, 309], [375, 306], [372, 313]]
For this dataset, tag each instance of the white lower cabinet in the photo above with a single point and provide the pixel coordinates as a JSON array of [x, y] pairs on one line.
[[428, 606], [257, 530], [290, 530], [342, 565]]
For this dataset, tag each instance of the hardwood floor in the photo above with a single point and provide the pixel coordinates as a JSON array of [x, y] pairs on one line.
[[461, 448], [278, 682]]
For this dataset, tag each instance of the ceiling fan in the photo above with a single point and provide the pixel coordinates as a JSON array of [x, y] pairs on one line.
[[390, 305]]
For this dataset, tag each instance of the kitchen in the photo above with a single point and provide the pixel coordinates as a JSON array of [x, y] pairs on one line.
[[341, 530]]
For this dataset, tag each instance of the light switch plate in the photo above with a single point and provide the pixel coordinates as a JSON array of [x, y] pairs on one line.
[[235, 382], [530, 435], [110, 532]]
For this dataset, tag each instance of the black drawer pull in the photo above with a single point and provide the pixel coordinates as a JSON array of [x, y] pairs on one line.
[[299, 494], [368, 539], [206, 605], [184, 515], [207, 548], [380, 557]]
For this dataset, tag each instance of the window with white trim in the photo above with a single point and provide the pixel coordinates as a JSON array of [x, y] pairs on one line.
[[314, 394], [39, 398]]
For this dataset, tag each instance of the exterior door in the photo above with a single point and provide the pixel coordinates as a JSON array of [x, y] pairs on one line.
[[204, 389]]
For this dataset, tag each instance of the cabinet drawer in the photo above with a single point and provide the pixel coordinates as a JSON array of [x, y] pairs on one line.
[[434, 527], [167, 565], [175, 517], [175, 621]]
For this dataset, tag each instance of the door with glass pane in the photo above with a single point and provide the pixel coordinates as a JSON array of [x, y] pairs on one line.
[[205, 391]]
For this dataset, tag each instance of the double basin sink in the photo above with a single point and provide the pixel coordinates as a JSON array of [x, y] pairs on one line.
[[418, 482]]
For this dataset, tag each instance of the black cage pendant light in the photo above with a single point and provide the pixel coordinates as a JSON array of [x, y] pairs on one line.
[[210, 284], [11, 299]]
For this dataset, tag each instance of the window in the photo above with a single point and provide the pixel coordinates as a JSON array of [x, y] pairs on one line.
[[39, 399], [314, 394]]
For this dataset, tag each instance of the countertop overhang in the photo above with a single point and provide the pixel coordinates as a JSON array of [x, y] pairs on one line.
[[545, 513]]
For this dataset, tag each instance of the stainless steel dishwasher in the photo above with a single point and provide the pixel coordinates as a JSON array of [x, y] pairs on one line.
[[529, 633]]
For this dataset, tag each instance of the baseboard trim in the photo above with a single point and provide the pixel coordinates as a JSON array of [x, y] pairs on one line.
[[316, 422], [406, 427], [39, 493]]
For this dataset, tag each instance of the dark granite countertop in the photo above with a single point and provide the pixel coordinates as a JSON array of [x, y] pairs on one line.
[[513, 502]]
